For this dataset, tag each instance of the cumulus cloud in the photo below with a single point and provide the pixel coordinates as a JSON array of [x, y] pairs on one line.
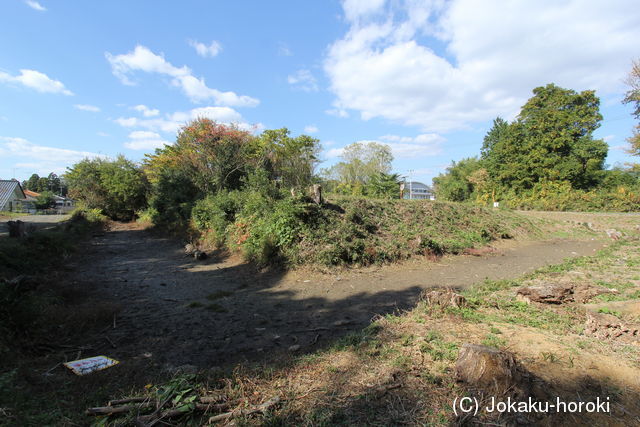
[[172, 122], [85, 107], [204, 50], [143, 59], [446, 65], [146, 111], [303, 80], [35, 5], [403, 147], [36, 80], [311, 129], [145, 140], [41, 158]]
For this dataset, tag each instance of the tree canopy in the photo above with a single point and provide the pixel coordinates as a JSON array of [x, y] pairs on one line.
[[551, 139], [633, 97], [118, 187]]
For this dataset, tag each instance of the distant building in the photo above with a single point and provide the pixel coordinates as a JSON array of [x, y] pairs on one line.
[[418, 190], [63, 204], [12, 196]]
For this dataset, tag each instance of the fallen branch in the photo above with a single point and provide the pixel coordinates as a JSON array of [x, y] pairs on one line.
[[127, 400], [111, 410], [153, 419], [244, 412]]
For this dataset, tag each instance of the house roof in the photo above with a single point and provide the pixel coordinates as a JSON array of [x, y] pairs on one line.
[[7, 188], [31, 193]]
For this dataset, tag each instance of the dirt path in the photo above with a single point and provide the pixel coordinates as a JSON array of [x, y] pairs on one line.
[[208, 313]]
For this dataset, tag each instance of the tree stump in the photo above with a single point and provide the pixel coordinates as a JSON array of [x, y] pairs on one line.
[[316, 193], [17, 228]]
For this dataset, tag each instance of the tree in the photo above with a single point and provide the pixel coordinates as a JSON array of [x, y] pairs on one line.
[[551, 140], [457, 183], [360, 163], [633, 97], [384, 186], [291, 161], [54, 184], [118, 187], [45, 200], [32, 182], [214, 155]]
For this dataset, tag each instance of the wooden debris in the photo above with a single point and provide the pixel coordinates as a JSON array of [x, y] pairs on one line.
[[244, 412], [112, 410]]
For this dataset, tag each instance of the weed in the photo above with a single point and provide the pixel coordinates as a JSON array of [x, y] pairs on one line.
[[492, 340], [550, 357], [607, 310]]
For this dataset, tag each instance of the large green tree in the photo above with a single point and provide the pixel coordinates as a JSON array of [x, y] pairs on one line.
[[550, 140]]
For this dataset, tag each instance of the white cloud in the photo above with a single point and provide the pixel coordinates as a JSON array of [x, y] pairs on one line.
[[608, 138], [145, 140], [146, 111], [206, 51], [403, 147], [171, 123], [284, 50], [303, 80], [35, 5], [36, 80], [85, 107], [47, 159], [143, 59], [334, 153], [103, 134], [311, 129], [446, 65]]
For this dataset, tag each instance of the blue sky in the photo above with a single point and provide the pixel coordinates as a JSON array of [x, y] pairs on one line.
[[427, 77]]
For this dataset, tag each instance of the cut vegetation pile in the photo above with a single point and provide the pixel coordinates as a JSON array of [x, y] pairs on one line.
[[349, 231]]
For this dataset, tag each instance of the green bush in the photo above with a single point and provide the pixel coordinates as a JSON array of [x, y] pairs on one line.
[[214, 214], [350, 230]]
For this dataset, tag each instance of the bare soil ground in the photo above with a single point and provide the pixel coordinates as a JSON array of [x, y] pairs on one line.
[[178, 311]]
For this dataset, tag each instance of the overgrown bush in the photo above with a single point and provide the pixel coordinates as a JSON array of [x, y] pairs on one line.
[[348, 231], [559, 196], [117, 187]]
